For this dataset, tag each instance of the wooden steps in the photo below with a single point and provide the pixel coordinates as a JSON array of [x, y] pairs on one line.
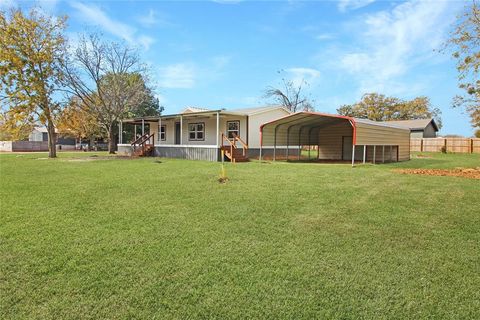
[[238, 155], [146, 151]]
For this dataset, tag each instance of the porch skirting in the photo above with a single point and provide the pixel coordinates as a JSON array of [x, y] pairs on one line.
[[189, 152]]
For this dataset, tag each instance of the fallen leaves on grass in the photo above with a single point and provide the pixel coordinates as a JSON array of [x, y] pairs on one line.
[[470, 173]]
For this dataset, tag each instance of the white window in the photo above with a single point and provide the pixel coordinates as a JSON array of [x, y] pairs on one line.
[[233, 127], [196, 131], [162, 136]]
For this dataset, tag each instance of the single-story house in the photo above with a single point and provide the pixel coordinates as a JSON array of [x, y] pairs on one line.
[[335, 137], [201, 134], [37, 141], [419, 128], [40, 134]]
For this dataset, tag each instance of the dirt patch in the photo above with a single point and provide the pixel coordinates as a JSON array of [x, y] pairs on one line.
[[470, 173]]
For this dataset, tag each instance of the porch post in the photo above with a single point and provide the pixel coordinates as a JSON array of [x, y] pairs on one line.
[[374, 151], [383, 154], [353, 155], [143, 127], [218, 127], [160, 131], [181, 129], [134, 132], [120, 132], [364, 153]]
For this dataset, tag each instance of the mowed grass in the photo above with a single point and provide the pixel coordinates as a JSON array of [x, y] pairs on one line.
[[138, 239]]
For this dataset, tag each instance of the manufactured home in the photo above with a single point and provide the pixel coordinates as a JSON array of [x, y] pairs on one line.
[[200, 134]]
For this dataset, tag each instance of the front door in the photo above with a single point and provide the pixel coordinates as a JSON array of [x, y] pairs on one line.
[[177, 132]]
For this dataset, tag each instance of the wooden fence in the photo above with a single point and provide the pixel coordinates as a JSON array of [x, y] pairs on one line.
[[460, 145]]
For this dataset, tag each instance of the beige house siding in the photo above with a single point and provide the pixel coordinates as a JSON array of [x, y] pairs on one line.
[[256, 120], [416, 134]]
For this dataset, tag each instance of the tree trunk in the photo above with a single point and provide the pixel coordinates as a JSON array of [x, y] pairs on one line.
[[111, 141], [52, 140]]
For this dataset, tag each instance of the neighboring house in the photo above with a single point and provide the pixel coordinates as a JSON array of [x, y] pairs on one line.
[[41, 134], [419, 128], [200, 134]]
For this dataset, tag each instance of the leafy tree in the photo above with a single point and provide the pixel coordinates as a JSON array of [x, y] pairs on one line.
[[379, 107], [465, 43], [477, 133], [290, 96], [150, 107], [76, 120], [15, 126], [32, 51], [109, 79]]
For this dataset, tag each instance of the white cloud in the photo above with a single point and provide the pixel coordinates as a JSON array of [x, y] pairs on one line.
[[149, 20], [395, 41], [344, 5], [300, 75], [324, 36], [93, 15], [180, 75]]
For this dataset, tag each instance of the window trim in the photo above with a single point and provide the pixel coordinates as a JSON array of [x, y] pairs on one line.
[[164, 126], [228, 131], [195, 124]]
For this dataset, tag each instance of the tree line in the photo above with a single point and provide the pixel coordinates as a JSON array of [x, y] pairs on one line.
[[81, 89], [85, 88]]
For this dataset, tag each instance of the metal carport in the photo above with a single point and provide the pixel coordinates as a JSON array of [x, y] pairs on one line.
[[328, 133]]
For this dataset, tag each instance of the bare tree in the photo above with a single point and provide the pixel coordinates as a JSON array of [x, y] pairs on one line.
[[291, 96], [108, 78]]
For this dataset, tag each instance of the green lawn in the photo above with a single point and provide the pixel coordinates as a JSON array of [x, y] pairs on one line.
[[141, 239]]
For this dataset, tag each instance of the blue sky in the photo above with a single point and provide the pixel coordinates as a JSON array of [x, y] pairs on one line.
[[223, 54]]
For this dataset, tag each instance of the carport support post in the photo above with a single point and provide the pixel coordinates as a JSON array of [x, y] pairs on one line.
[[261, 144], [275, 144], [299, 145], [353, 155], [374, 152], [364, 153], [288, 142], [383, 154], [390, 153]]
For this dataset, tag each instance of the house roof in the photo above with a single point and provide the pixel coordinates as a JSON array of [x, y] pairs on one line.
[[416, 124], [256, 110], [195, 111]]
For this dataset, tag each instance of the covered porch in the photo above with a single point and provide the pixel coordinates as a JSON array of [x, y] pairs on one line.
[[189, 135]]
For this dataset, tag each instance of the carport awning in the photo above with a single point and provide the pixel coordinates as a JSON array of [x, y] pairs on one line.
[[300, 128]]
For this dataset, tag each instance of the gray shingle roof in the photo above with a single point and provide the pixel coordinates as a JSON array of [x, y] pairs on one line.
[[417, 124]]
